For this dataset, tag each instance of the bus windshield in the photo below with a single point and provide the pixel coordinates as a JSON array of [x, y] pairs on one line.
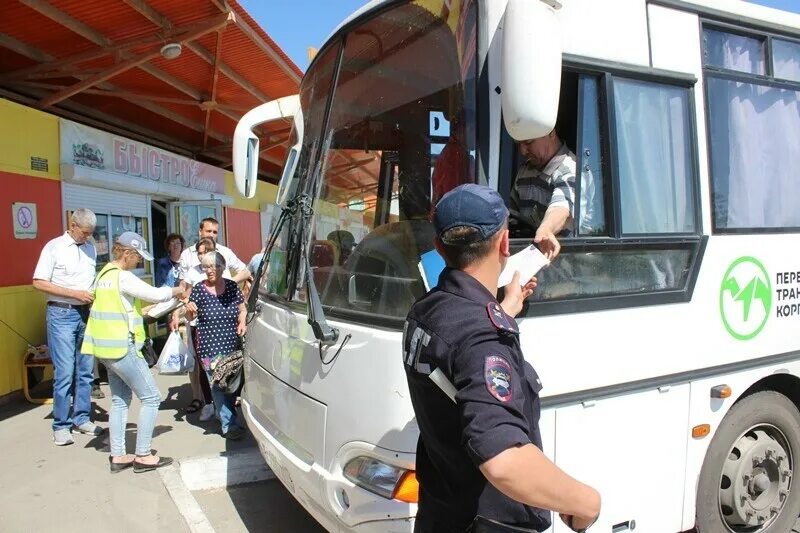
[[400, 132]]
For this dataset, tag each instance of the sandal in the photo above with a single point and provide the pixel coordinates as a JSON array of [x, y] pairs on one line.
[[194, 406]]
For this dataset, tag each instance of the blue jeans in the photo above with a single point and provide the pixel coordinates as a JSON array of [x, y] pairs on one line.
[[126, 375], [224, 405], [72, 371]]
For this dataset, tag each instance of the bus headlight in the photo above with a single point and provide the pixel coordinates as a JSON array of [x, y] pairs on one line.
[[391, 482]]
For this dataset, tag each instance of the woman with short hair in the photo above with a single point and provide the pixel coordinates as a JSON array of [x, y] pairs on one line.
[[219, 307], [168, 267], [201, 389], [115, 334]]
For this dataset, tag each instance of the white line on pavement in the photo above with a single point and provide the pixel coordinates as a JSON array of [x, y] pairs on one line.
[[188, 507]]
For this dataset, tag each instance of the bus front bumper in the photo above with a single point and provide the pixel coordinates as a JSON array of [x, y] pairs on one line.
[[333, 501]]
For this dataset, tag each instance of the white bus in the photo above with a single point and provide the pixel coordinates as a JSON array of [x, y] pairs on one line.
[[666, 334]]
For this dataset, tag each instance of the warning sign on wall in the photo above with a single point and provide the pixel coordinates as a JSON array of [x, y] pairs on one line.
[[24, 216]]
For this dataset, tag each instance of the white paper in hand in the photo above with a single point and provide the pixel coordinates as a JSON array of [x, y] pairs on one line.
[[161, 309], [527, 262]]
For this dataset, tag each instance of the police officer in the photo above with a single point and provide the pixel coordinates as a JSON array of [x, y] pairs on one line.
[[479, 459]]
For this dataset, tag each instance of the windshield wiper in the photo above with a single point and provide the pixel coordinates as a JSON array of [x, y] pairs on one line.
[[326, 335], [252, 300]]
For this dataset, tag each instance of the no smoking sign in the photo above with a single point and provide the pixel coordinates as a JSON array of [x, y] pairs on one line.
[[25, 221]]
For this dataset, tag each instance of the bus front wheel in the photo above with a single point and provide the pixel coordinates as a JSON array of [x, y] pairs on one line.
[[747, 480]]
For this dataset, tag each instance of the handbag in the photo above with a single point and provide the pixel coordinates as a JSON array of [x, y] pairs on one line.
[[149, 353], [228, 371]]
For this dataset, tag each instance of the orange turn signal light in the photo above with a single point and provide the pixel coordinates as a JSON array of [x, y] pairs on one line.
[[703, 430], [721, 391], [408, 488]]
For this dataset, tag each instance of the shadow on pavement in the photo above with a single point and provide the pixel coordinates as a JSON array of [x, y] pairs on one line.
[[267, 506], [14, 408]]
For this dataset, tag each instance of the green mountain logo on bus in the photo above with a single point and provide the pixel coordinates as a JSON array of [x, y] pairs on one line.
[[745, 298]]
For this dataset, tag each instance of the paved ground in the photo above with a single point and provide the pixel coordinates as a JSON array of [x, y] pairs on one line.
[[47, 488], [65, 489], [265, 506]]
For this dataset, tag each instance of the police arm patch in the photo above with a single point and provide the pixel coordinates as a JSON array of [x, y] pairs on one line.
[[497, 375]]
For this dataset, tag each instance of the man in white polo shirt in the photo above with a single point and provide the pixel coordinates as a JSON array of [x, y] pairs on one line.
[[65, 272], [209, 227]]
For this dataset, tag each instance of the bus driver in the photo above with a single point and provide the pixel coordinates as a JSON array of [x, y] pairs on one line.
[[544, 191]]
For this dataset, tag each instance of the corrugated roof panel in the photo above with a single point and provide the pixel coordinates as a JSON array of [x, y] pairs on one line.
[[181, 12], [31, 27], [115, 21]]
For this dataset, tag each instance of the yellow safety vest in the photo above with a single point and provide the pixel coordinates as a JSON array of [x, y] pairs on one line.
[[108, 331]]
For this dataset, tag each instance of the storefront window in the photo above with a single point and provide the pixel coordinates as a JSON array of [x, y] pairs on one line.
[[100, 237], [108, 228]]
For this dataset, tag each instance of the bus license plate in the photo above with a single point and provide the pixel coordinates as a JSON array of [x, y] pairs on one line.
[[280, 471]]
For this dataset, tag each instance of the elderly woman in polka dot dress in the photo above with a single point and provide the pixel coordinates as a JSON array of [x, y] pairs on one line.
[[219, 307]]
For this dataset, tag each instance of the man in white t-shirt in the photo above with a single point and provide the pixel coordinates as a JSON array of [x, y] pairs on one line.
[[65, 272], [209, 227]]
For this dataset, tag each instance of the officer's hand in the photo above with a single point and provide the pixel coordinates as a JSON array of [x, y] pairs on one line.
[[547, 243], [582, 523], [515, 294], [85, 297], [577, 524]]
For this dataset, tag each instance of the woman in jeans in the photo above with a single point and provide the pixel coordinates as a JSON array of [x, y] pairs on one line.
[[115, 334], [219, 307]]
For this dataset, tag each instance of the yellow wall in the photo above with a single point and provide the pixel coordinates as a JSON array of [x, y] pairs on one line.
[[26, 133], [266, 193], [22, 308]]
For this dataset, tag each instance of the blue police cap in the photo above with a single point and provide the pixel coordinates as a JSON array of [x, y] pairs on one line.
[[471, 205]]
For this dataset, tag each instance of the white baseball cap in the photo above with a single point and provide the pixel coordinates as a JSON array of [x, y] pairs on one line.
[[135, 241]]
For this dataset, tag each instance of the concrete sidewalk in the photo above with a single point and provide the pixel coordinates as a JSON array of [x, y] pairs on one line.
[[65, 489]]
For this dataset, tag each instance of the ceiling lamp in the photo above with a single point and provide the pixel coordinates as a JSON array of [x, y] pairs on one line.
[[171, 50]]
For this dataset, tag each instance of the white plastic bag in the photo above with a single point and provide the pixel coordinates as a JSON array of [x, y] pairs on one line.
[[175, 357]]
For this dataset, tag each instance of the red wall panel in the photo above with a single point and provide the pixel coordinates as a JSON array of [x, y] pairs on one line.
[[22, 254], [243, 232]]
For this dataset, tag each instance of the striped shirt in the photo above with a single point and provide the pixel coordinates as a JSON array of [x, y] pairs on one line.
[[553, 186], [535, 191]]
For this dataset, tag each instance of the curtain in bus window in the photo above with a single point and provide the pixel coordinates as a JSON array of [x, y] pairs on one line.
[[755, 154], [655, 170], [786, 60], [733, 52]]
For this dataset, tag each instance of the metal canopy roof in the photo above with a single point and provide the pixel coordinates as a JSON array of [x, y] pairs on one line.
[[99, 62]]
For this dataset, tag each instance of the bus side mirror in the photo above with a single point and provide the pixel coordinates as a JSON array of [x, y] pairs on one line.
[[531, 68], [245, 142]]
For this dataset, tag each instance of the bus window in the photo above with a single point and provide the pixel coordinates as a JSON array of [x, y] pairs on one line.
[[643, 185], [393, 121], [753, 171], [590, 161], [538, 182], [656, 172]]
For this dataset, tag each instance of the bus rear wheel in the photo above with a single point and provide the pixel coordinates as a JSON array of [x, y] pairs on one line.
[[746, 484]]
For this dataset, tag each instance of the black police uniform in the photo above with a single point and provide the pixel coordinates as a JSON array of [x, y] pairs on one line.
[[460, 328]]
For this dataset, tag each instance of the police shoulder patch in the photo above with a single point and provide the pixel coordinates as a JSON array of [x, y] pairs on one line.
[[497, 375], [500, 319]]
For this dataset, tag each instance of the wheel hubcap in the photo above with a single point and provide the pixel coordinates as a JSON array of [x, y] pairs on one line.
[[756, 479]]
